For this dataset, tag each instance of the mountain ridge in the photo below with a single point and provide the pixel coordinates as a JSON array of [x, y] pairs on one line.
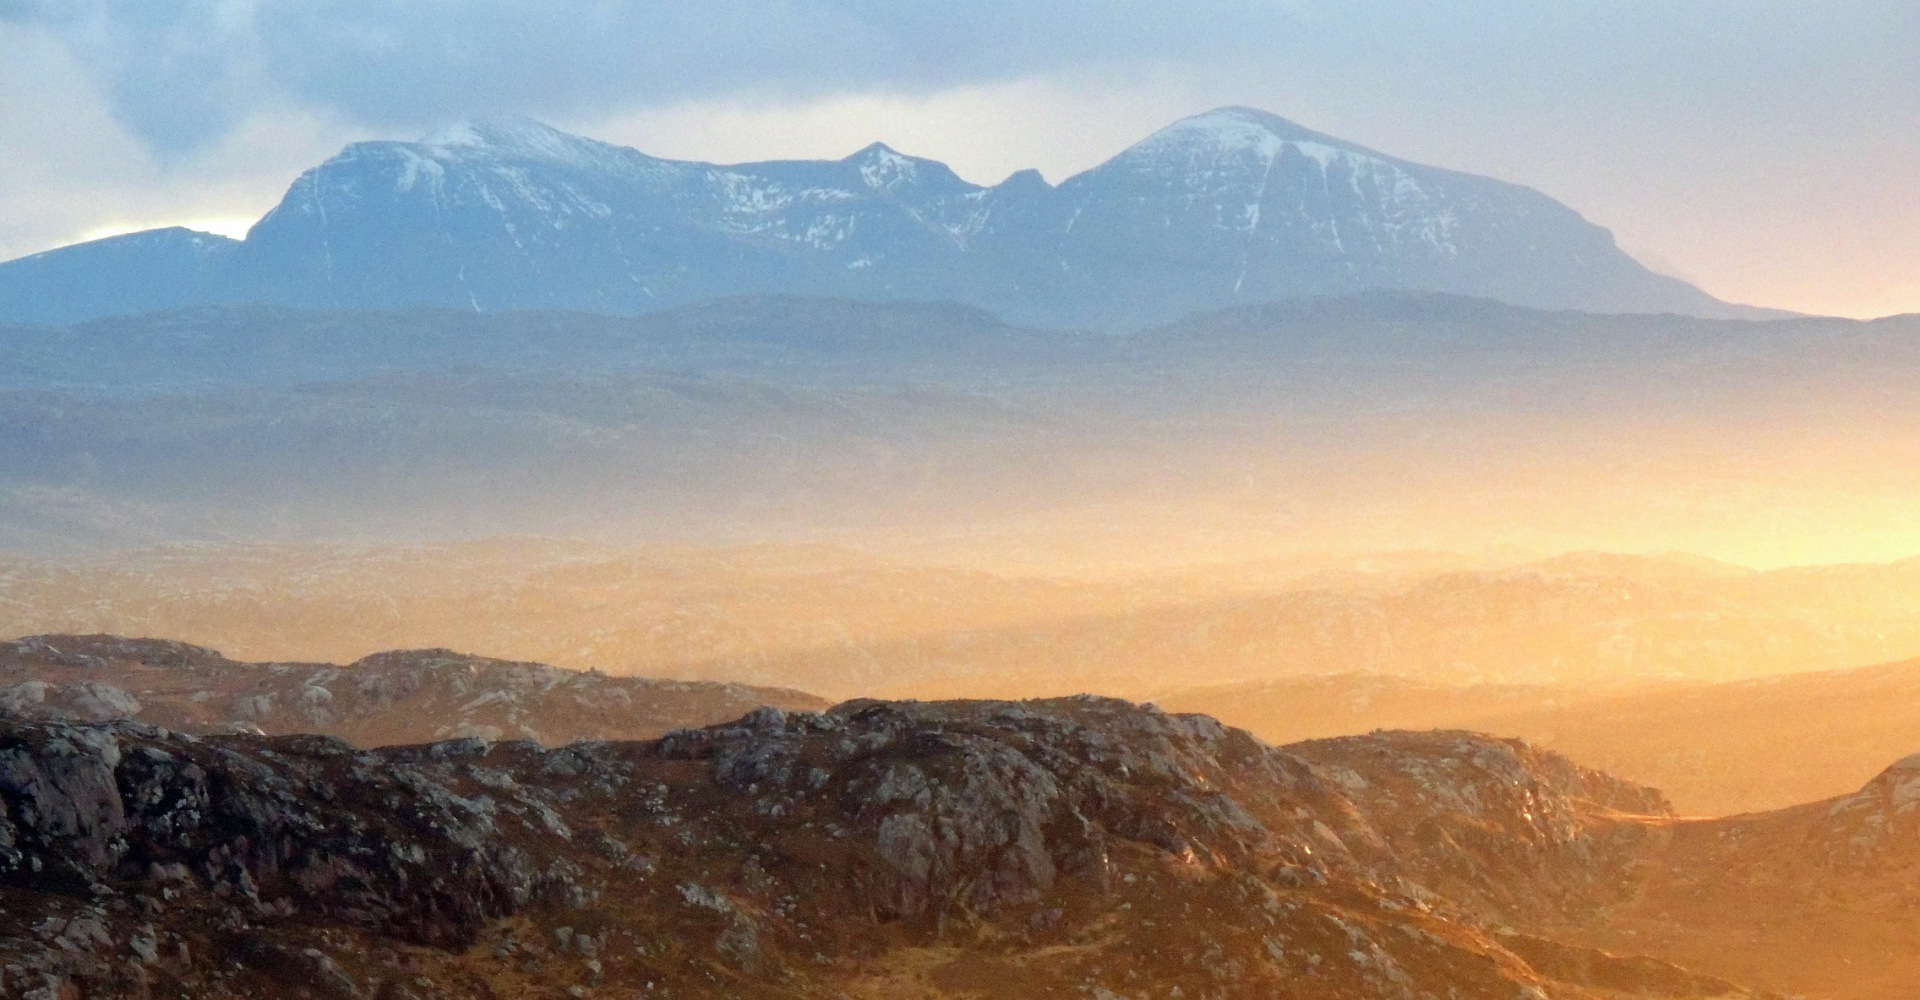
[[1232, 206]]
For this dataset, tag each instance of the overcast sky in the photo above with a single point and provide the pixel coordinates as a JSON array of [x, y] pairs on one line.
[[1768, 150]]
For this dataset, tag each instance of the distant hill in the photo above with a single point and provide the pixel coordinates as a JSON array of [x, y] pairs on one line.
[[1717, 749], [1407, 649], [1233, 206], [405, 696]]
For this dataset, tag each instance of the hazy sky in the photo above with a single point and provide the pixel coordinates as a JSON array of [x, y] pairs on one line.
[[1768, 150]]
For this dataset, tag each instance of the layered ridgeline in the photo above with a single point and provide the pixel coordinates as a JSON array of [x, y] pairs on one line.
[[1228, 207], [1349, 422]]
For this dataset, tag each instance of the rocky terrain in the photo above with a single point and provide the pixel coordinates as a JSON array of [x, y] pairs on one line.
[[1070, 848], [406, 696]]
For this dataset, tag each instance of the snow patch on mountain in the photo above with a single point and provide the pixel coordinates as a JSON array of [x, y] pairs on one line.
[[522, 139], [885, 170]]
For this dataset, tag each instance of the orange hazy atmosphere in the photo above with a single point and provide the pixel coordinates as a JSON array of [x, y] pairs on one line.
[[989, 500]]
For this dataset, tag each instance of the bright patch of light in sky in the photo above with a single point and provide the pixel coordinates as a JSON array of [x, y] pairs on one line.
[[233, 227], [1057, 125]]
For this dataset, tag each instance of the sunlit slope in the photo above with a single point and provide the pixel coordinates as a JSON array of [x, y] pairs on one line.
[[1815, 900], [1749, 745]]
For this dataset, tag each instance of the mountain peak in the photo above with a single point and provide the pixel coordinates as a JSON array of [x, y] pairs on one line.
[[514, 137], [885, 168], [1237, 130], [877, 151], [1235, 118]]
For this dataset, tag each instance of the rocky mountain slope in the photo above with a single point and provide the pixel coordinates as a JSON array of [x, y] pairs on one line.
[[1227, 207], [1076, 848], [407, 696]]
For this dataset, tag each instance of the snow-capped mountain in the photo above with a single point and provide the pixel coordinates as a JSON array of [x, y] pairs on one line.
[[1231, 206], [1237, 205]]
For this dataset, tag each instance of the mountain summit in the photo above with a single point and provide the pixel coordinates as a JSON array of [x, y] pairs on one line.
[[1231, 206]]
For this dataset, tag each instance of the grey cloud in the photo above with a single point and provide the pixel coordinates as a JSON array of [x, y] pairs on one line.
[[181, 73]]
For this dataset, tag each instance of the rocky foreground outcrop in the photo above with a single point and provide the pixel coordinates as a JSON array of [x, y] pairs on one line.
[[1069, 848], [405, 696]]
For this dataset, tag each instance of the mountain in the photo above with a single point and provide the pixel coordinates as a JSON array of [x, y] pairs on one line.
[[1068, 848], [404, 696], [1232, 206], [133, 273], [1715, 749]]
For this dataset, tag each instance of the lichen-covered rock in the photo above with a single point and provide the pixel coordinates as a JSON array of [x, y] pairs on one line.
[[981, 806]]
